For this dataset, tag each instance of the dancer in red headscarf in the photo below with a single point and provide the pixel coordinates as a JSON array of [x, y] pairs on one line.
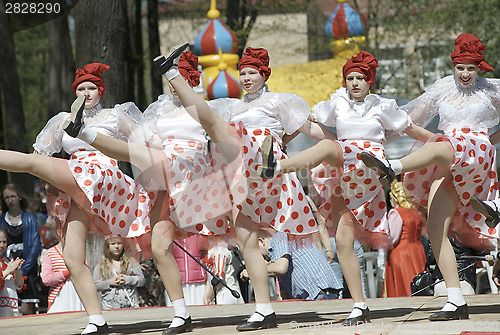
[[93, 192], [453, 167], [193, 193], [353, 200], [278, 203]]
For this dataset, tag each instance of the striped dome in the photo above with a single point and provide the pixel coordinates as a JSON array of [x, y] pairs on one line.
[[344, 22], [215, 35], [224, 86]]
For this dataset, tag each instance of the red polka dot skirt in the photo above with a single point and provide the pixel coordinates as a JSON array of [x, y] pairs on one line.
[[474, 174], [198, 190], [279, 202], [359, 187], [120, 206]]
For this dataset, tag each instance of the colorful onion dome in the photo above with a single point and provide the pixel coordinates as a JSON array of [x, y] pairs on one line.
[[224, 85], [344, 22], [215, 35]]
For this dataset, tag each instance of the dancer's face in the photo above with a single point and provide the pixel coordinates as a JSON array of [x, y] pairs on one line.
[[466, 74], [115, 247], [357, 86], [251, 79], [3, 242], [12, 200], [90, 92]]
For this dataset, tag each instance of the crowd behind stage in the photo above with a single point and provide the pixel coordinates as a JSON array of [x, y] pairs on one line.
[[35, 279]]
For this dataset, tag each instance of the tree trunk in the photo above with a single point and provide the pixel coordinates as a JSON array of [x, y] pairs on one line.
[[61, 67], [154, 48], [102, 35], [14, 128], [138, 57]]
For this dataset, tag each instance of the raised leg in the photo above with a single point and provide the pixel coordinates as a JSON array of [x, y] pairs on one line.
[[324, 151], [435, 153]]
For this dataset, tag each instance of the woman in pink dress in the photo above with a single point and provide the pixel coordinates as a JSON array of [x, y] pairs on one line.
[[451, 168], [93, 192]]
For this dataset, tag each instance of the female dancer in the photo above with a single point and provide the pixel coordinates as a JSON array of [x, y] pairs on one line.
[[197, 201], [93, 191], [454, 166], [353, 200], [258, 114]]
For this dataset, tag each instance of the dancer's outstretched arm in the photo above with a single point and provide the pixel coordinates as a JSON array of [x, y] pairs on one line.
[[418, 133]]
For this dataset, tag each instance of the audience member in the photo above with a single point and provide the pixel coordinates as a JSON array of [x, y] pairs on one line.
[[496, 271], [220, 260], [407, 258], [55, 275], [117, 277], [303, 271], [23, 239], [13, 280], [193, 276]]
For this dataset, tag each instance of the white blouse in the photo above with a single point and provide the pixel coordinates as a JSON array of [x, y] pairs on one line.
[[122, 121], [476, 107], [169, 120], [369, 120], [276, 111]]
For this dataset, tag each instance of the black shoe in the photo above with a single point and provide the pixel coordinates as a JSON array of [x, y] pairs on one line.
[[268, 322], [184, 328], [462, 312], [268, 163], [164, 64], [104, 329], [73, 126], [365, 317], [386, 174], [491, 214]]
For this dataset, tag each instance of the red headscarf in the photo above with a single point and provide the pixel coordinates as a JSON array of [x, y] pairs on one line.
[[188, 67], [364, 63], [256, 58], [469, 49], [93, 73]]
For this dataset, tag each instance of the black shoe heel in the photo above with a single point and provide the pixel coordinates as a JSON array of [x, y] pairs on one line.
[[73, 126], [491, 214], [187, 326], [164, 64], [461, 313], [365, 317], [268, 322], [268, 163], [101, 330], [386, 173]]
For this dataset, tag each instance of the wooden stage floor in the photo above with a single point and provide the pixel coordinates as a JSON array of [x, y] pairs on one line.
[[389, 316]]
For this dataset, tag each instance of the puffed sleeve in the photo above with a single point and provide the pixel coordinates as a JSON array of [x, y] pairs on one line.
[[293, 111], [324, 111], [154, 110], [495, 93], [424, 108], [393, 118], [224, 107], [49, 140], [126, 122]]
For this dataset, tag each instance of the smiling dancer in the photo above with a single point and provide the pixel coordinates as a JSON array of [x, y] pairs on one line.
[[353, 198], [451, 168]]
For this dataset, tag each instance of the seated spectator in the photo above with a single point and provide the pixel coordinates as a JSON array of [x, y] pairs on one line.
[[11, 271], [496, 271], [193, 276], [407, 258], [55, 274], [152, 293], [117, 277], [303, 272], [220, 260]]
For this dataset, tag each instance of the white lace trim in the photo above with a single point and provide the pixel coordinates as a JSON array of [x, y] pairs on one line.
[[249, 97]]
